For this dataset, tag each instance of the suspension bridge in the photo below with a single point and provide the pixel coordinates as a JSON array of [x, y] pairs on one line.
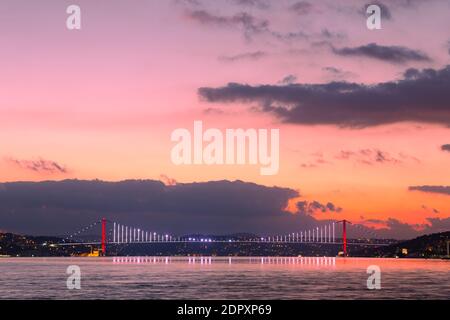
[[115, 233]]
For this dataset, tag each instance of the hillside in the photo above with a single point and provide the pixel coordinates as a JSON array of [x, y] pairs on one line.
[[427, 246]]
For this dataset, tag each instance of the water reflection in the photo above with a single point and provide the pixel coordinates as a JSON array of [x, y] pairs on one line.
[[300, 261], [223, 278]]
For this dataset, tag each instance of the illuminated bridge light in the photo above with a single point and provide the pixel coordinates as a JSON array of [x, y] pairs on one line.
[[120, 234]]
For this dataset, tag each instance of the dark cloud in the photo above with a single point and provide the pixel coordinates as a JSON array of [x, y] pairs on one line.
[[445, 147], [432, 189], [368, 156], [393, 54], [313, 207], [385, 229], [318, 160], [302, 7], [438, 225], [213, 111], [324, 38], [392, 228], [215, 207], [326, 34], [338, 74], [256, 55], [247, 22], [430, 209], [395, 229], [289, 36], [252, 25], [57, 207], [39, 166], [349, 104], [289, 79]]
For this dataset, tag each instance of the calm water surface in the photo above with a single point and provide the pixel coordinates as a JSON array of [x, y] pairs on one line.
[[223, 278]]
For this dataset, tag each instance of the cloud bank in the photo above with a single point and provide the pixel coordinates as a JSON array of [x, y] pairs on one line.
[[420, 96], [432, 189], [393, 54], [214, 207], [55, 207], [39, 166], [313, 207]]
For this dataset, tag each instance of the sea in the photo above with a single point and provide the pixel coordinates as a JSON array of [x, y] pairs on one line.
[[223, 278]]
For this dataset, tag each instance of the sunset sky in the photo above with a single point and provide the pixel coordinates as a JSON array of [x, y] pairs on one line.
[[361, 125]]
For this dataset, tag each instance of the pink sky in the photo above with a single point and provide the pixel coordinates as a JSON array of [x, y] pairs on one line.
[[103, 101]]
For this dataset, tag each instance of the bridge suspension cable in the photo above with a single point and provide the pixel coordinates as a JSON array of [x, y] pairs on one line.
[[123, 234], [73, 236]]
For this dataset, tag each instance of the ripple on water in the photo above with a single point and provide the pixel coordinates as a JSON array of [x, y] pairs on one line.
[[223, 278]]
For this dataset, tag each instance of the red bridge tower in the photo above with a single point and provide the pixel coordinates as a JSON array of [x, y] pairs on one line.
[[103, 236], [344, 235]]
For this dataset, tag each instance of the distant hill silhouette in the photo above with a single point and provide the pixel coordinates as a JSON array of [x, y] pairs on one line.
[[427, 246]]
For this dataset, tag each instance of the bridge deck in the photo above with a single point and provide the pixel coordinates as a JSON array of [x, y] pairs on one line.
[[224, 241]]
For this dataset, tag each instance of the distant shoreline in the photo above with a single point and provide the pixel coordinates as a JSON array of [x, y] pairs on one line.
[[433, 246]]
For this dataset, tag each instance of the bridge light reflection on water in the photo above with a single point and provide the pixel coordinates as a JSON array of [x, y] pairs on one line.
[[300, 261]]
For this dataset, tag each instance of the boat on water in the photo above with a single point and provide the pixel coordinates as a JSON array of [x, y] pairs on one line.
[[93, 253]]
